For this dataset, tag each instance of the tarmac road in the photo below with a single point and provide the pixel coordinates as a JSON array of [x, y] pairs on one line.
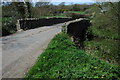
[[20, 50]]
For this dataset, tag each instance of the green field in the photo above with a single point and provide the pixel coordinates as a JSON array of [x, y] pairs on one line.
[[53, 16], [62, 59], [80, 12], [61, 15]]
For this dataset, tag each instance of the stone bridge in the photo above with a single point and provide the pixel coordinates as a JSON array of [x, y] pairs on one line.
[[77, 29], [32, 23]]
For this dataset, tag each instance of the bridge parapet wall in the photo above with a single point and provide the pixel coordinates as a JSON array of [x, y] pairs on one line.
[[76, 28], [31, 23]]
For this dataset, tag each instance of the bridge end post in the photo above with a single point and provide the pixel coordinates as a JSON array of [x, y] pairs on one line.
[[18, 25]]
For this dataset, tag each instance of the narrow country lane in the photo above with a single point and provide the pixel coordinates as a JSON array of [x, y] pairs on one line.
[[20, 50]]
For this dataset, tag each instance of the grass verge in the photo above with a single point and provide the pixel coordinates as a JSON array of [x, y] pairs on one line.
[[62, 59], [106, 49]]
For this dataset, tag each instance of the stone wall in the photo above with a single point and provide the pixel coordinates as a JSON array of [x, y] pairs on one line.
[[76, 28], [32, 23]]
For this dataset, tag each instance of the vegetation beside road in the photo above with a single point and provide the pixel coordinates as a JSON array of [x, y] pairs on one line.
[[101, 58], [105, 31], [62, 59]]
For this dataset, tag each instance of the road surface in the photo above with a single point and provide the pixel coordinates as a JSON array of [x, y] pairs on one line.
[[20, 50]]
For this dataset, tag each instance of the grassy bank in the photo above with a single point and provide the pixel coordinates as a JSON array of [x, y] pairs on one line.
[[62, 59], [106, 49], [106, 41]]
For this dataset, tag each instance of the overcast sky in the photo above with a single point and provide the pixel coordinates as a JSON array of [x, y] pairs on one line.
[[56, 2], [67, 2], [72, 1]]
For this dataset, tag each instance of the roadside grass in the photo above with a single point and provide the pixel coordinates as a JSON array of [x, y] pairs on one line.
[[107, 34], [106, 39], [106, 49], [61, 59]]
